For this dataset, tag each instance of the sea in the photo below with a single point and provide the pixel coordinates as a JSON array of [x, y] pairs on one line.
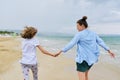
[[56, 42]]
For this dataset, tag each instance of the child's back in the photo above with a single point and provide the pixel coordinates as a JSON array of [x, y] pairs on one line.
[[29, 51]]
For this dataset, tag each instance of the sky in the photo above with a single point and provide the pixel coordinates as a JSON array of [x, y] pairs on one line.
[[60, 15]]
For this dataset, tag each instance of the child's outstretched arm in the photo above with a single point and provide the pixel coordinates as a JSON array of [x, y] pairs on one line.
[[44, 51]]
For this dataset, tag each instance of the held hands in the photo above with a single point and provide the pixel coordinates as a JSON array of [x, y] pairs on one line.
[[57, 54]]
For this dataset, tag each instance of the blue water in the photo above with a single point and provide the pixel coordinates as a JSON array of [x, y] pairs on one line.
[[111, 40], [60, 40], [54, 43]]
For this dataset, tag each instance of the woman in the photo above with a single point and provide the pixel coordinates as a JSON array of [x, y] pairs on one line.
[[87, 48]]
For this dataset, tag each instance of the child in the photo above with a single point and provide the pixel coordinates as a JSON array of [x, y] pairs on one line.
[[29, 60], [87, 48]]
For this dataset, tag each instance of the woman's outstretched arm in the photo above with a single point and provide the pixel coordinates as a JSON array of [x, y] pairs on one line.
[[103, 45]]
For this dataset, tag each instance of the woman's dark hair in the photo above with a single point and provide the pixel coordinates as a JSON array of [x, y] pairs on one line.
[[83, 21]]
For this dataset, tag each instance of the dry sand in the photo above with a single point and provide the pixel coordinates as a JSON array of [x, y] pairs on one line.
[[50, 68]]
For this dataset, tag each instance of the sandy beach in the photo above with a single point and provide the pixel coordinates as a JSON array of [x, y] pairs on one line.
[[50, 68]]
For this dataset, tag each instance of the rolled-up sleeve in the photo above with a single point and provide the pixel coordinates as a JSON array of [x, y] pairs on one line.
[[71, 43], [101, 43]]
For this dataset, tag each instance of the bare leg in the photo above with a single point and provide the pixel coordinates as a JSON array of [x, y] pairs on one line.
[[86, 75], [81, 75]]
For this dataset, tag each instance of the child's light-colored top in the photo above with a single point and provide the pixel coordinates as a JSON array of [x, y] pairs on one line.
[[29, 51], [87, 46]]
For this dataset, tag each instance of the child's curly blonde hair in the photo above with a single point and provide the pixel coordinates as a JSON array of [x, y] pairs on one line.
[[28, 32]]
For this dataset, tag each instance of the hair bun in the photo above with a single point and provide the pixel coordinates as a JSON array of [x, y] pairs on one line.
[[84, 18]]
